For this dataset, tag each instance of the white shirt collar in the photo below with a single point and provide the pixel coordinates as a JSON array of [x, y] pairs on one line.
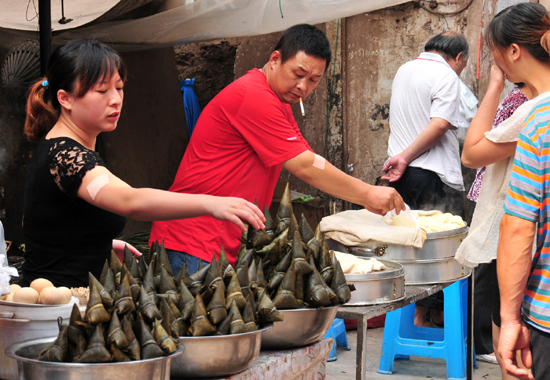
[[434, 57]]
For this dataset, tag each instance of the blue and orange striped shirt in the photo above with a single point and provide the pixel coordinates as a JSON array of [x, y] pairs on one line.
[[529, 198]]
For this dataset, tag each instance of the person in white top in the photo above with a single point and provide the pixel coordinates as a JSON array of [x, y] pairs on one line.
[[424, 164]]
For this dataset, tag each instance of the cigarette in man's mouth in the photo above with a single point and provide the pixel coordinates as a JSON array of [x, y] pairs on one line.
[[302, 107]]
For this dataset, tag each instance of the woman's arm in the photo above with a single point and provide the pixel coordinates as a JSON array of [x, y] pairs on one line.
[[152, 204], [478, 151]]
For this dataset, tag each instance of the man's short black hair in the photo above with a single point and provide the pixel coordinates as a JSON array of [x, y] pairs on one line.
[[449, 44], [306, 38]]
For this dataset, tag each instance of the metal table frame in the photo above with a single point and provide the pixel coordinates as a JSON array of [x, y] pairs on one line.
[[412, 294]]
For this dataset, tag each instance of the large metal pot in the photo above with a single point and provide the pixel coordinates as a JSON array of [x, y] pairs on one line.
[[378, 287], [438, 271], [217, 356], [437, 245], [30, 368], [300, 327]]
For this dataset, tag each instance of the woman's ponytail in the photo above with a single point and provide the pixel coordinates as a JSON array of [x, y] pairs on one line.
[[41, 115]]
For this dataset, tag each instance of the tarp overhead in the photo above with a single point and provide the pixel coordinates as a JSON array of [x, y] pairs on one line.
[[183, 21]]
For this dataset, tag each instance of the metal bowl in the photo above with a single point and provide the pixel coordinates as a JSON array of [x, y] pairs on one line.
[[300, 327], [377, 287], [217, 355], [30, 368]]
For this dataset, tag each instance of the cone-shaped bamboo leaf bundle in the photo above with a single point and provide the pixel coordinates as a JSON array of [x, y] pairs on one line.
[[197, 279], [213, 276], [149, 347], [242, 275], [299, 257], [216, 308], [284, 212], [237, 323], [76, 333], [280, 271], [316, 293], [167, 285], [186, 301], [285, 297], [163, 258], [57, 350], [106, 298], [115, 335], [339, 284], [257, 238], [133, 350], [115, 264], [96, 351], [306, 233], [234, 292], [163, 339], [109, 283], [267, 311], [131, 264], [123, 301], [325, 264], [95, 311], [149, 284], [270, 226], [248, 314], [183, 275], [117, 355], [147, 307], [134, 287], [200, 324]]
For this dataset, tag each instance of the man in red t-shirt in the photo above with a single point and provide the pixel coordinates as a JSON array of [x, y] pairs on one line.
[[243, 139]]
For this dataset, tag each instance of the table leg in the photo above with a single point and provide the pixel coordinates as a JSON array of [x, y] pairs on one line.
[[361, 367], [470, 326]]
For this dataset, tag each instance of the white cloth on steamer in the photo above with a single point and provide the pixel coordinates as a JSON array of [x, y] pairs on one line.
[[480, 246], [361, 227]]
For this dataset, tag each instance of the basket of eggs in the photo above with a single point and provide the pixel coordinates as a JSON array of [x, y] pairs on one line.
[[31, 313]]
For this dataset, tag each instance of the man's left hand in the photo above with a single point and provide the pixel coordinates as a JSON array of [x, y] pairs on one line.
[[395, 168], [515, 336]]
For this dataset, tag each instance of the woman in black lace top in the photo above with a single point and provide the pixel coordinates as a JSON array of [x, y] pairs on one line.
[[74, 206]]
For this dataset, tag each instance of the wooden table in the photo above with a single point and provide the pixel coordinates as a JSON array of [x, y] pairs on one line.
[[362, 313]]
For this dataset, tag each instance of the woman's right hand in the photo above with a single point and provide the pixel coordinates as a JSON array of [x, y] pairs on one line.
[[236, 210], [498, 78]]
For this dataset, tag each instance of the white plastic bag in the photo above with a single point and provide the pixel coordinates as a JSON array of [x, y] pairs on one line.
[[5, 271], [405, 218]]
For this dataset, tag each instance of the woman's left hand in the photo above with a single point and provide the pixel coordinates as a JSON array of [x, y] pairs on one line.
[[118, 247]]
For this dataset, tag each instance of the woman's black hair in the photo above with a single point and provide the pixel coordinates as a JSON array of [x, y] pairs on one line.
[[524, 24], [75, 67], [306, 38], [79, 65]]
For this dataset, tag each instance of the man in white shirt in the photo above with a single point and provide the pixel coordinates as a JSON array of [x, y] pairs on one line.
[[424, 165]]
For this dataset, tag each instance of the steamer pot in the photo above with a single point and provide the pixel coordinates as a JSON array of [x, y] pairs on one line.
[[378, 287]]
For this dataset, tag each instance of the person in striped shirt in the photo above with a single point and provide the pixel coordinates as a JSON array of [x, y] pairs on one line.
[[519, 39]]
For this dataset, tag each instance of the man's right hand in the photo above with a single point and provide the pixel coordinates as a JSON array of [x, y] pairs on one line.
[[381, 199], [515, 336], [395, 167]]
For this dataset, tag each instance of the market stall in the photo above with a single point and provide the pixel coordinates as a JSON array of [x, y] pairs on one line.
[[267, 313]]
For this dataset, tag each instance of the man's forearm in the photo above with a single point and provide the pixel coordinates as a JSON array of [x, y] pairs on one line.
[[427, 139], [514, 260], [333, 181]]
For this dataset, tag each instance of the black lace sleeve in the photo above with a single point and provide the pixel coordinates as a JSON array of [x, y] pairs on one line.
[[69, 162]]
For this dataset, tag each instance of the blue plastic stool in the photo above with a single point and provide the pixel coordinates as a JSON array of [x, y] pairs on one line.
[[403, 338], [337, 332]]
